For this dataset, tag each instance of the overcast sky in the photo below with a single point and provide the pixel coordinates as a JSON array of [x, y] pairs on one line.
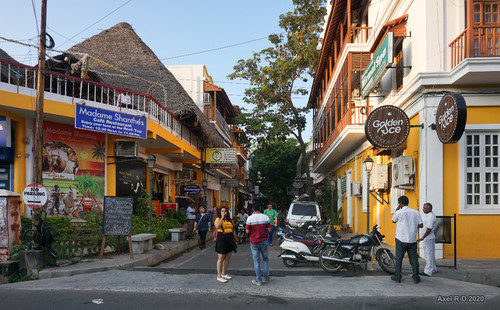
[[171, 28]]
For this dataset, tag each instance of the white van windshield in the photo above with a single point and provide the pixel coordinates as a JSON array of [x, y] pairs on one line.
[[304, 209]]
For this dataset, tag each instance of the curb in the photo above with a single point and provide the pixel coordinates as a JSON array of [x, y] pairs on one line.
[[149, 259]]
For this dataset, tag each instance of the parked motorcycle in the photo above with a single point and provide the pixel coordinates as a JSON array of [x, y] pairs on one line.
[[296, 247], [241, 233], [358, 250]]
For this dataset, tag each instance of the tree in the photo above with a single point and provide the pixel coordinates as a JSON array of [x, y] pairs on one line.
[[273, 73], [277, 163]]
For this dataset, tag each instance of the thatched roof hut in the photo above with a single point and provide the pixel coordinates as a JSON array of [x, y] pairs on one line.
[[123, 49]]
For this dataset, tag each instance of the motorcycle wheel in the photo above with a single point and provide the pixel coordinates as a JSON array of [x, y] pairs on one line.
[[386, 261], [289, 262], [241, 238], [330, 265]]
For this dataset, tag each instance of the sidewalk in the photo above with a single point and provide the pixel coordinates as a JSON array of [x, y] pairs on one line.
[[482, 271]]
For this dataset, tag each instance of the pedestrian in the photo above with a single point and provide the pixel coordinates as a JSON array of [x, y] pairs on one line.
[[258, 227], [272, 214], [202, 223], [407, 222], [225, 244], [428, 240], [191, 216]]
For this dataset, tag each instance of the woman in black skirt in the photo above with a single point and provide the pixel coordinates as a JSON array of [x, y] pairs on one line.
[[225, 244]]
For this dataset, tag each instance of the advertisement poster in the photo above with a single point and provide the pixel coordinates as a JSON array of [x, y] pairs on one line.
[[73, 169], [130, 179]]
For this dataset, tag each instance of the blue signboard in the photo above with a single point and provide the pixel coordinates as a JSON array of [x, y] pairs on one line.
[[192, 190], [95, 119]]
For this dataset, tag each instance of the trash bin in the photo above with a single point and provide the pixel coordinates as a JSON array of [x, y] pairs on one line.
[[10, 222]]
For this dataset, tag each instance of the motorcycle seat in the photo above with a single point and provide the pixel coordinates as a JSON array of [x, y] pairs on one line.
[[345, 242], [307, 242]]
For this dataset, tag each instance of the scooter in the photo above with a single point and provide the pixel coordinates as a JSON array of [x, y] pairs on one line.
[[241, 233], [297, 248]]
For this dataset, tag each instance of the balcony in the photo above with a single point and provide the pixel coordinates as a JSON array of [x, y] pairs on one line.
[[21, 79], [348, 132], [221, 124], [479, 41]]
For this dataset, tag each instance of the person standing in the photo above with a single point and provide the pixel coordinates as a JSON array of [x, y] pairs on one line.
[[428, 240], [191, 216], [258, 227], [202, 223], [225, 244], [407, 222], [272, 214]]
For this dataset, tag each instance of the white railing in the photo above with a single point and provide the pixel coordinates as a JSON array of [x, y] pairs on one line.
[[22, 79], [222, 122]]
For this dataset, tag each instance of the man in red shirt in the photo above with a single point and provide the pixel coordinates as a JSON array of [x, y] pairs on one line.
[[258, 227]]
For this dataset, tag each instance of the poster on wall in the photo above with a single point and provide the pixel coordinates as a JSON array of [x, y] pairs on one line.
[[73, 169], [130, 179]]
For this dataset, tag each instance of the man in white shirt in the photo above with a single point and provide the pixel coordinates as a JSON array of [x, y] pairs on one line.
[[428, 240], [408, 221], [191, 215]]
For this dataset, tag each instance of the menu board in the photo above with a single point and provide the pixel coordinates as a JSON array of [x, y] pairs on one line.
[[117, 216]]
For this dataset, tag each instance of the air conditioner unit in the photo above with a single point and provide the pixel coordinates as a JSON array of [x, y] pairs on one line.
[[185, 174], [379, 178], [127, 149], [206, 97], [356, 189], [402, 171]]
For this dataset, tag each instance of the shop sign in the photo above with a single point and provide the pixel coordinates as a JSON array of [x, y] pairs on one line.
[[220, 158], [451, 117], [382, 59], [35, 196], [192, 189], [5, 136], [387, 127], [300, 180], [232, 183], [95, 119]]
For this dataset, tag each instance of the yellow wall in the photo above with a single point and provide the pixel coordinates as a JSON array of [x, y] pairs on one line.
[[474, 232]]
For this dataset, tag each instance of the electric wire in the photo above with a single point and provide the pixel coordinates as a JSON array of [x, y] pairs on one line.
[[36, 18]]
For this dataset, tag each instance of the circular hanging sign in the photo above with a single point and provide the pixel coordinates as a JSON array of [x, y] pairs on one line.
[[387, 127], [192, 189], [35, 196], [451, 117]]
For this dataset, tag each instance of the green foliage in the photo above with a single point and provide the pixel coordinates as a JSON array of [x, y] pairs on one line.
[[273, 74], [85, 182], [326, 202], [277, 162]]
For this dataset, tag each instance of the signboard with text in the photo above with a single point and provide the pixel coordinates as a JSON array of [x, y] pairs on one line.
[[35, 196], [220, 158], [95, 119], [451, 117], [382, 59], [387, 127]]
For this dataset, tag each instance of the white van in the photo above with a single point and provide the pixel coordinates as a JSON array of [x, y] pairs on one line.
[[303, 211]]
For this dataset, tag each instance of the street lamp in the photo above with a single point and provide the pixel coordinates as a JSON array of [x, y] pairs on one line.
[[368, 165], [151, 164]]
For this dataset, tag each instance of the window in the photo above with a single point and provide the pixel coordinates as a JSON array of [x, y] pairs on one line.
[[481, 173], [486, 31], [398, 63]]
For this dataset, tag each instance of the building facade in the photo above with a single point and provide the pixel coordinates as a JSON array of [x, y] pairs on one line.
[[412, 55]]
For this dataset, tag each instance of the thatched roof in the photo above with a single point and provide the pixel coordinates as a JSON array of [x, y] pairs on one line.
[[121, 47], [4, 55]]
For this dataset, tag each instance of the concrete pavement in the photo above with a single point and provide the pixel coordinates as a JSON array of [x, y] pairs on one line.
[[482, 271]]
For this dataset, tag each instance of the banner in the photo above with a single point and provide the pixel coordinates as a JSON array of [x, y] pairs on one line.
[[220, 158]]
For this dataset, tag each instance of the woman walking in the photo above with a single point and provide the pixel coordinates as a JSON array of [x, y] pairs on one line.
[[202, 223], [225, 244]]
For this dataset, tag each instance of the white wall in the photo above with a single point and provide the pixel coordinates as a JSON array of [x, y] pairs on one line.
[[191, 78]]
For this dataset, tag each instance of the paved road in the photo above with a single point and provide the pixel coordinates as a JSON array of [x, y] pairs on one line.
[[189, 282]]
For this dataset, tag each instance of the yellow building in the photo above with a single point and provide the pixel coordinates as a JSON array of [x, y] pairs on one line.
[[412, 55]]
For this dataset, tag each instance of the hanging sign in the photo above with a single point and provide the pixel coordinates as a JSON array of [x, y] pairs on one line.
[[387, 127], [451, 117], [220, 158], [95, 119], [35, 196], [382, 59], [192, 189]]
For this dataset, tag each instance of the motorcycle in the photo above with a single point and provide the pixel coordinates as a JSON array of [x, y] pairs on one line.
[[241, 233], [296, 247], [358, 250]]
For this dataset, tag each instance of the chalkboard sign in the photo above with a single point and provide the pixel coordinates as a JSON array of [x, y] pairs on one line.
[[443, 229], [117, 216]]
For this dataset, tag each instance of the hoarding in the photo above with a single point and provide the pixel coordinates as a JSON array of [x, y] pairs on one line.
[[382, 59], [220, 158]]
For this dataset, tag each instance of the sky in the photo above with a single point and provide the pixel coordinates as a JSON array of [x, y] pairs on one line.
[[180, 32]]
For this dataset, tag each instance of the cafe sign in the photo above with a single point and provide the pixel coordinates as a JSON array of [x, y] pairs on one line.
[[220, 158], [451, 117], [381, 61], [387, 127]]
